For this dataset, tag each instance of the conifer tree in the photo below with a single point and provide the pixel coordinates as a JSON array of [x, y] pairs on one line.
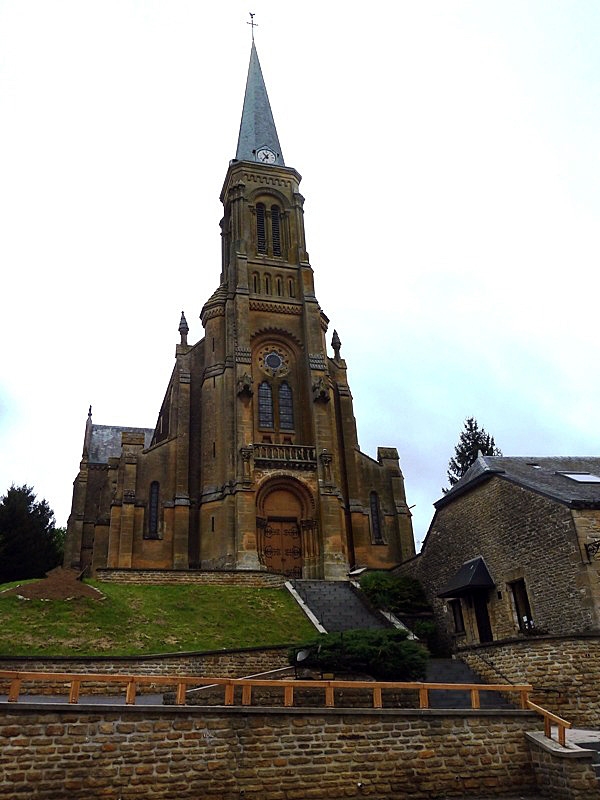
[[472, 440], [29, 545]]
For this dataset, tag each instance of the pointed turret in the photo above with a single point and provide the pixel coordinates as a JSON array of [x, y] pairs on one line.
[[258, 139]]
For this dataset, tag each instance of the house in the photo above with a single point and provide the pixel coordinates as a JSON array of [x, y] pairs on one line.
[[511, 566]]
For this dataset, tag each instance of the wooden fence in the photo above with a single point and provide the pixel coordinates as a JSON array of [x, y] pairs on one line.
[[182, 684]]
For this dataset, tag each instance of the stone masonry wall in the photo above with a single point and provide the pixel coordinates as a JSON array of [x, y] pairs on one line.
[[267, 580], [521, 535], [284, 754], [218, 663], [561, 772], [565, 672]]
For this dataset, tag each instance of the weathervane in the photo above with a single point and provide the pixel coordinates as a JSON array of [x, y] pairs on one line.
[[252, 23]]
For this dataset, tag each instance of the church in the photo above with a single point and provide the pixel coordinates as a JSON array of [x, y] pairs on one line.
[[254, 463]]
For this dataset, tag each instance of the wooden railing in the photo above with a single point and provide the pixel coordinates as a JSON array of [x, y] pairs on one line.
[[131, 683]]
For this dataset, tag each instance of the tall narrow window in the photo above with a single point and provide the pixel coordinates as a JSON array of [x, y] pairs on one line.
[[375, 518], [255, 283], [265, 405], [457, 615], [276, 230], [153, 510], [286, 407], [522, 607], [278, 287], [261, 231], [291, 290], [267, 284]]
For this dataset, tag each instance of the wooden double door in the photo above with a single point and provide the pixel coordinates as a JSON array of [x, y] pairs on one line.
[[282, 547]]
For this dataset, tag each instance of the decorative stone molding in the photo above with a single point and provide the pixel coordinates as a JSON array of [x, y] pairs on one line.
[[320, 391], [275, 308], [317, 361], [242, 355], [244, 385]]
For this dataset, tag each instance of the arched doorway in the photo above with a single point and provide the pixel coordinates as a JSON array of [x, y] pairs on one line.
[[286, 528]]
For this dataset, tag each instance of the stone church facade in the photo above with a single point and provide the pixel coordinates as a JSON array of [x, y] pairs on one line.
[[254, 462]]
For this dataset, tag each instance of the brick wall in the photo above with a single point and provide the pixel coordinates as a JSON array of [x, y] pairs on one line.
[[267, 580], [564, 671], [266, 755], [219, 663]]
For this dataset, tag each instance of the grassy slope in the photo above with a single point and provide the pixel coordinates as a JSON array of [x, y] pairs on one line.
[[134, 620]]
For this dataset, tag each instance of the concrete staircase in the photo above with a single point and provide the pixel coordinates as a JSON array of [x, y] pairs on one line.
[[450, 670], [338, 605]]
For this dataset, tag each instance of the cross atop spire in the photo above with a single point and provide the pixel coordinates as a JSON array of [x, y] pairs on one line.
[[254, 25], [258, 139]]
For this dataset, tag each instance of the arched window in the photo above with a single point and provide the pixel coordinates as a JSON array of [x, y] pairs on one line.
[[278, 287], [375, 518], [276, 230], [286, 407], [265, 405], [261, 231], [291, 288], [255, 283], [267, 284], [153, 510]]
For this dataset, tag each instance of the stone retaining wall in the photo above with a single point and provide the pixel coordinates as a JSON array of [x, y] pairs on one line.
[[561, 772], [565, 672], [275, 754], [261, 580], [217, 663]]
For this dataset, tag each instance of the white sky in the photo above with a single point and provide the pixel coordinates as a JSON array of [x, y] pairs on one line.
[[450, 154]]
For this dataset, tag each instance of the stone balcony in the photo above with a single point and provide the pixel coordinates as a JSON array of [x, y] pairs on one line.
[[289, 456]]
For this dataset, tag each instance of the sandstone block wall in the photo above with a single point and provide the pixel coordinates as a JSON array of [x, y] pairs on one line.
[[561, 773], [223, 664], [565, 672], [265, 755], [266, 580]]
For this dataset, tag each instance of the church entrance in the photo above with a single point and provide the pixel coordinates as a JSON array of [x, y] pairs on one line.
[[283, 547], [286, 531]]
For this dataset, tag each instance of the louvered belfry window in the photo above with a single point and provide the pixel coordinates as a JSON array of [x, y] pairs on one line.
[[375, 518], [265, 405], [153, 510], [286, 407], [276, 230], [261, 231]]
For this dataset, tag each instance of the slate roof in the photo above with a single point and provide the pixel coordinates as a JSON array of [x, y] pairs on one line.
[[472, 575], [105, 441], [541, 474], [257, 128]]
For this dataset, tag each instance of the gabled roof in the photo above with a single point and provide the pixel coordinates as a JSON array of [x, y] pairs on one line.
[[257, 128], [546, 475], [105, 441]]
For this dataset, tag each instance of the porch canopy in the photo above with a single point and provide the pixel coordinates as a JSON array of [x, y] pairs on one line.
[[471, 576]]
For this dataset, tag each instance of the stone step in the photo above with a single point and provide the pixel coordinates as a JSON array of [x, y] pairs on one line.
[[338, 606]]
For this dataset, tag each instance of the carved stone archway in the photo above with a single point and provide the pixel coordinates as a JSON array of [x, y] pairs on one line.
[[287, 530]]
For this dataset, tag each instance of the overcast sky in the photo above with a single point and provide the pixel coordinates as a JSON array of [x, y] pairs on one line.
[[450, 154]]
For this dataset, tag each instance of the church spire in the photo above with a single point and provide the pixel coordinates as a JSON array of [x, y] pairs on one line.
[[258, 139]]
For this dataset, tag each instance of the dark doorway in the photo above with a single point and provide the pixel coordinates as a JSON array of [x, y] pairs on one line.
[[482, 616], [283, 547]]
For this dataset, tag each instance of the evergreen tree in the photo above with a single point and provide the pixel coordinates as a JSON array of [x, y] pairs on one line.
[[29, 545], [472, 440]]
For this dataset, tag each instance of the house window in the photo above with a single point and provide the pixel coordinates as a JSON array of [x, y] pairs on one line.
[[265, 405], [522, 607], [261, 231], [375, 518], [276, 230], [153, 510], [286, 407], [457, 615]]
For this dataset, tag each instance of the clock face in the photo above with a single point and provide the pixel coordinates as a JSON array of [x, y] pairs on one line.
[[266, 156]]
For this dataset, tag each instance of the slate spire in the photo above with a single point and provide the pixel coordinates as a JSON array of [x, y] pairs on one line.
[[257, 128]]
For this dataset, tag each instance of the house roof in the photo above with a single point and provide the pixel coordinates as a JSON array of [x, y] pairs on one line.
[[105, 441], [471, 576], [572, 480]]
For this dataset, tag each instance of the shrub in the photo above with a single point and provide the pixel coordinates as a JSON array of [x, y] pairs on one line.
[[396, 593], [383, 654]]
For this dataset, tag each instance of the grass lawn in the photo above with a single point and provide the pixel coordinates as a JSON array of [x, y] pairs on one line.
[[135, 620]]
